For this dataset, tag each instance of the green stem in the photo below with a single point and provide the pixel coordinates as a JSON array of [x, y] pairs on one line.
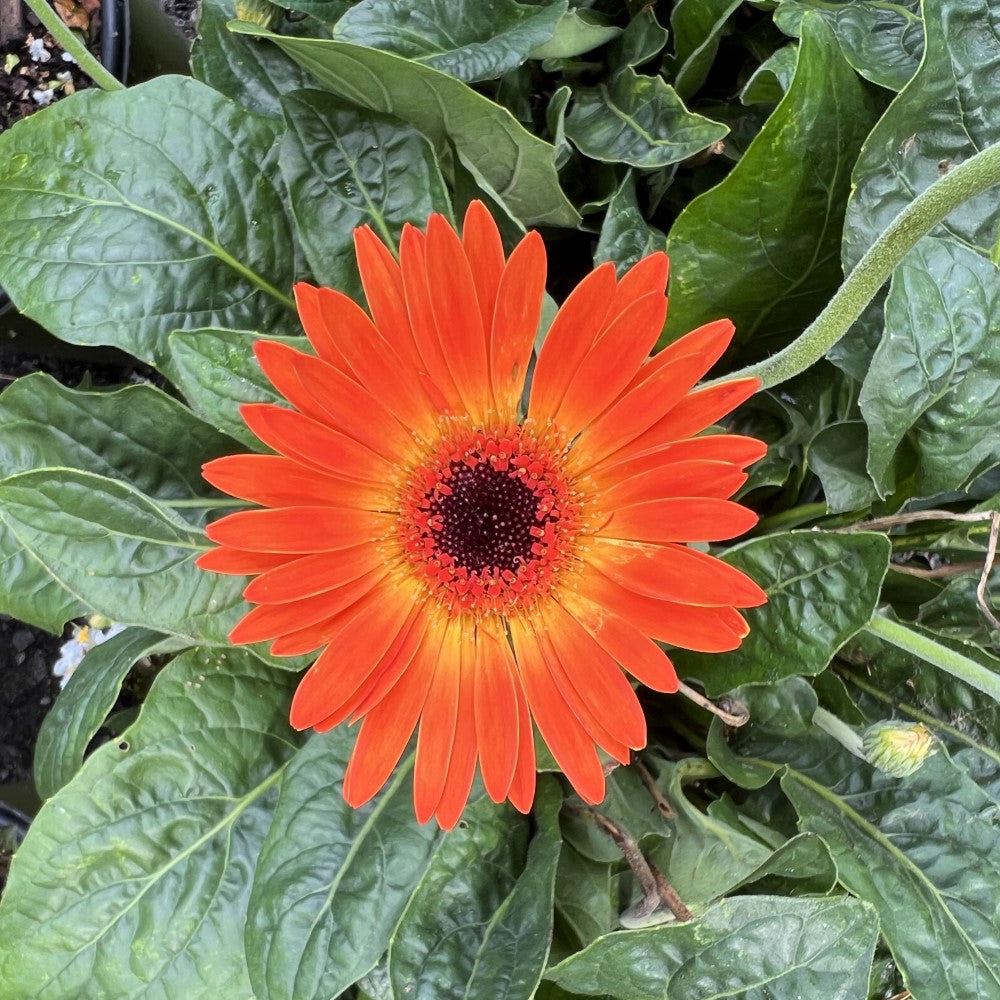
[[974, 674], [791, 518], [915, 221], [840, 731], [71, 44]]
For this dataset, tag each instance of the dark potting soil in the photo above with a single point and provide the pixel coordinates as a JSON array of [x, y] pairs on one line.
[[33, 73]]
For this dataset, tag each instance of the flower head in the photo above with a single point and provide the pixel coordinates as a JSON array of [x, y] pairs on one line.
[[467, 566], [898, 748]]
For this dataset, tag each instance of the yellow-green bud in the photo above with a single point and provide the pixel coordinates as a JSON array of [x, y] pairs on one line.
[[260, 12], [898, 748]]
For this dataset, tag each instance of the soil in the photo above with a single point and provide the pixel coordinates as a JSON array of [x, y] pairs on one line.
[[34, 73]]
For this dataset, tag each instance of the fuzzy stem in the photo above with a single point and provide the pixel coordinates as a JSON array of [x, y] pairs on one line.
[[963, 182], [71, 44], [840, 731], [974, 674]]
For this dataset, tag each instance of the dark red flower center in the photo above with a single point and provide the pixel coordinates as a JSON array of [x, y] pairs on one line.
[[488, 519]]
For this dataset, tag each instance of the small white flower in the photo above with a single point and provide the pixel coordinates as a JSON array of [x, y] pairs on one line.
[[85, 637], [38, 51]]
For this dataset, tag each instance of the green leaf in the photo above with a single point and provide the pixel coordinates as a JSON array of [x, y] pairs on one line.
[[138, 435], [586, 896], [133, 880], [697, 27], [121, 553], [578, 31], [331, 881], [882, 41], [763, 246], [926, 859], [465, 38], [836, 455], [217, 372], [639, 43], [479, 924], [130, 214], [255, 75], [84, 704], [772, 78], [515, 163], [935, 376], [626, 237], [638, 120], [755, 948], [822, 588], [709, 857], [345, 168]]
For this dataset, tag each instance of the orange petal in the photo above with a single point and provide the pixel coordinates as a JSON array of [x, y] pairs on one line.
[[666, 380], [276, 481], [238, 562], [676, 479], [612, 361], [388, 726], [731, 448], [633, 649], [299, 529], [352, 655], [312, 574], [515, 322], [314, 321], [268, 621], [297, 437], [496, 712], [675, 573], [330, 397], [484, 249], [383, 285], [376, 364], [647, 275], [706, 629], [457, 316], [413, 263], [573, 331], [593, 685], [522, 786], [571, 745], [437, 727], [462, 762], [691, 415], [679, 519]]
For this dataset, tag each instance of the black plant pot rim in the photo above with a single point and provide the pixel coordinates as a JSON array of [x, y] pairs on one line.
[[116, 42]]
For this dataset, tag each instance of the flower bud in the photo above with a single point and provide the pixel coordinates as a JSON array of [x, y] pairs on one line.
[[898, 748]]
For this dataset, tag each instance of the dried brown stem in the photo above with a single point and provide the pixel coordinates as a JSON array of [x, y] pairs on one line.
[[736, 717], [897, 520], [954, 569], [669, 896], [984, 579], [666, 810]]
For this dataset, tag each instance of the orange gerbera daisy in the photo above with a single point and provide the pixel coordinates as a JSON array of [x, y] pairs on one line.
[[464, 564]]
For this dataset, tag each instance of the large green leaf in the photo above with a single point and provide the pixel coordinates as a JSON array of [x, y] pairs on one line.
[[837, 456], [626, 236], [133, 881], [754, 948], [478, 926], [882, 41], [84, 704], [346, 168], [255, 75], [934, 379], [697, 27], [935, 376], [515, 163], [822, 588], [130, 214], [638, 120], [331, 881], [120, 552], [217, 372], [924, 850], [466, 38], [763, 246], [138, 435]]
